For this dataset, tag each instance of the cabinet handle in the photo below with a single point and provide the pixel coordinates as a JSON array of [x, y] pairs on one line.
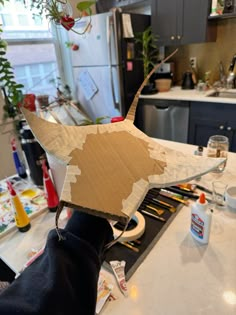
[[172, 38], [178, 37], [229, 128], [221, 127]]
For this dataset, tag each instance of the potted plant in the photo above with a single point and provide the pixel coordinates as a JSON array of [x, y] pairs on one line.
[[148, 54]]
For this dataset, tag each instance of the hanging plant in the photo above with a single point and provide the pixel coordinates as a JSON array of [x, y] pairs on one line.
[[60, 12]]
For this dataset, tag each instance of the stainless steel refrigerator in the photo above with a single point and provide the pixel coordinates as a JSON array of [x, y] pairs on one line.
[[107, 69]]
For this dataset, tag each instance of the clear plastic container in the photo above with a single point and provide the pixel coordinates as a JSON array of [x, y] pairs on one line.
[[218, 147]]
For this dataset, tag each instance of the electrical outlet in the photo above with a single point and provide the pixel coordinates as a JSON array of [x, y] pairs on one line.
[[193, 62]]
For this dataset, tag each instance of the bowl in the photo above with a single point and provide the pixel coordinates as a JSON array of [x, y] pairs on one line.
[[230, 197], [163, 85]]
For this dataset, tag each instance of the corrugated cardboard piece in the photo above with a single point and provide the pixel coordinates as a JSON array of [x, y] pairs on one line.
[[109, 168], [106, 170]]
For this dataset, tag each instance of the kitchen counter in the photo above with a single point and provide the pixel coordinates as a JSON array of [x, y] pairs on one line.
[[176, 93], [179, 276]]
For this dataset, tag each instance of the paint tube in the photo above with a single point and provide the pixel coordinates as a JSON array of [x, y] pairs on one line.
[[118, 268], [103, 292]]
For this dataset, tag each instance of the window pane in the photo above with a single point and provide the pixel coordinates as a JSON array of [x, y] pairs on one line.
[[34, 69], [6, 19], [19, 72], [34, 64], [20, 22], [23, 20], [37, 20]]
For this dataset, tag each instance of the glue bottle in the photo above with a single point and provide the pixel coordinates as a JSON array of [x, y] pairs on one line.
[[50, 191], [21, 217], [201, 220]]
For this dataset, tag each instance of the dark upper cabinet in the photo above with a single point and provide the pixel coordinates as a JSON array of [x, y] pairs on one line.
[[179, 22], [207, 119]]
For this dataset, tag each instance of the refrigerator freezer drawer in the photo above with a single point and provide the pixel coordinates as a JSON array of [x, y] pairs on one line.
[[166, 120]]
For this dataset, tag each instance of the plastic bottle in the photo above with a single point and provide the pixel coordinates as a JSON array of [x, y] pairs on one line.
[[201, 220], [34, 154], [50, 191], [19, 165], [21, 217]]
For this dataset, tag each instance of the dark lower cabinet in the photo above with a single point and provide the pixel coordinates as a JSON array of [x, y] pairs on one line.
[[207, 119]]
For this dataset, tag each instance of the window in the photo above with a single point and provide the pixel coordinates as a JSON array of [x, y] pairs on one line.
[[6, 19], [23, 20], [31, 48]]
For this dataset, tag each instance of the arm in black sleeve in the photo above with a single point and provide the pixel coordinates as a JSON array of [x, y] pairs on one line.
[[63, 280]]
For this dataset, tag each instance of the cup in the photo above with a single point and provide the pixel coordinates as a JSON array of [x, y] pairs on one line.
[[218, 193], [218, 147], [230, 197]]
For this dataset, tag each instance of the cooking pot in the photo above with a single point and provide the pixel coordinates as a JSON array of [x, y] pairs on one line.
[[188, 83]]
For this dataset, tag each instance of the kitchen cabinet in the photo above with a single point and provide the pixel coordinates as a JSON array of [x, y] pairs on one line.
[[207, 119], [178, 22]]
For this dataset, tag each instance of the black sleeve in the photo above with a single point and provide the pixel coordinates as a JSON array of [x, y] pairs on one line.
[[63, 280]]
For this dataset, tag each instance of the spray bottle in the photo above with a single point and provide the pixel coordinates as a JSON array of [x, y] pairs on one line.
[[19, 165], [201, 220], [51, 194], [21, 217]]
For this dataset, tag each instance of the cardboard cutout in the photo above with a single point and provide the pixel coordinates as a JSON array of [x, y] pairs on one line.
[[108, 169]]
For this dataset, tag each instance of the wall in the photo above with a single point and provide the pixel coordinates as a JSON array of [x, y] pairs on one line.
[[209, 54], [7, 167]]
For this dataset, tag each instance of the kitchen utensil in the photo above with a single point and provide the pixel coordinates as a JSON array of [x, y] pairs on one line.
[[188, 83]]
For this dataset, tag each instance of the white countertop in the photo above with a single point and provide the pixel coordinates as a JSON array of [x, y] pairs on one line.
[[179, 276], [176, 93]]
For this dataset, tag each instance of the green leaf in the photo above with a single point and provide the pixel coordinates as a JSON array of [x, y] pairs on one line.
[[3, 44], [84, 5], [100, 119], [19, 86]]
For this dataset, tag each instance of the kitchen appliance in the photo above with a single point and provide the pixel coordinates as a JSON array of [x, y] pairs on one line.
[[163, 119], [107, 69], [188, 83], [229, 6], [165, 71]]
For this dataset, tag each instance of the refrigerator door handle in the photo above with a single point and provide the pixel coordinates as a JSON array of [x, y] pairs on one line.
[[110, 30]]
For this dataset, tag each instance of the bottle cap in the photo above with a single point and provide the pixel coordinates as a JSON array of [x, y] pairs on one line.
[[202, 198], [10, 188], [13, 144]]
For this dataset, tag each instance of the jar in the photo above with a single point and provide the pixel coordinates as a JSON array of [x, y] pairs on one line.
[[218, 147]]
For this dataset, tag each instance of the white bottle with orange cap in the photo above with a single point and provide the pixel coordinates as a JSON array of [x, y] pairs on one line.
[[201, 220]]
